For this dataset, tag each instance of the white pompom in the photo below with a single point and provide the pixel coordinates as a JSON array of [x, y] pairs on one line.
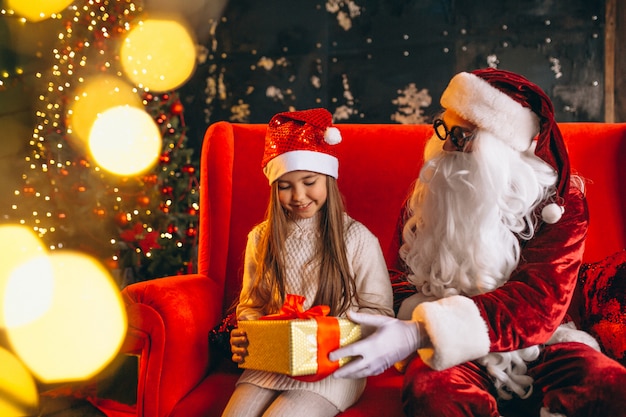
[[552, 213], [332, 136]]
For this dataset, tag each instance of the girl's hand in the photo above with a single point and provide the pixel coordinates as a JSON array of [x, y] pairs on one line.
[[238, 345]]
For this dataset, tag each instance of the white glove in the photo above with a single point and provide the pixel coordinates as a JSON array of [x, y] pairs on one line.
[[389, 340]]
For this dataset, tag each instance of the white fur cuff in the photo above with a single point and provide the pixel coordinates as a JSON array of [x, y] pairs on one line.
[[567, 332], [456, 329]]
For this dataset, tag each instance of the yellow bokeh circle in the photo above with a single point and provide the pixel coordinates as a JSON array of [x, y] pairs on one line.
[[19, 391], [98, 94], [82, 325], [158, 55], [37, 10], [125, 140], [18, 244]]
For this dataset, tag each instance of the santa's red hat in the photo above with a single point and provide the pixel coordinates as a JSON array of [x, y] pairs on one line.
[[516, 111], [301, 141]]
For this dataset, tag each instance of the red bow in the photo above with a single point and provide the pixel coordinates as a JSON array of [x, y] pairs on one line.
[[293, 309]]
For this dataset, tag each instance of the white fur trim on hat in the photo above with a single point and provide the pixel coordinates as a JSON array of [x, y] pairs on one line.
[[456, 330], [477, 101], [301, 161]]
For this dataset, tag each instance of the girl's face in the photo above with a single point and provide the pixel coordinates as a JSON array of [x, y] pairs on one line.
[[302, 193]]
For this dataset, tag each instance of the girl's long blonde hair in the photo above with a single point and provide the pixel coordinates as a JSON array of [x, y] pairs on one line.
[[337, 286]]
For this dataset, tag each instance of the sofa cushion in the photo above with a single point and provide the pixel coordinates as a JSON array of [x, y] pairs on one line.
[[603, 307]]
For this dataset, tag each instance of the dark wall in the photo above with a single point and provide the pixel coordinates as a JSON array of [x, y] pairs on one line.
[[387, 61]]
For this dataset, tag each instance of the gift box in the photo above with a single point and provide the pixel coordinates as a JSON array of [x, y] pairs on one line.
[[297, 346]]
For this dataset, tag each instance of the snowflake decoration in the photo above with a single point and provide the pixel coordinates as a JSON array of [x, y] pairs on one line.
[[275, 93], [266, 63], [344, 17], [411, 102], [215, 88], [316, 81], [492, 61], [240, 112], [556, 67], [344, 111]]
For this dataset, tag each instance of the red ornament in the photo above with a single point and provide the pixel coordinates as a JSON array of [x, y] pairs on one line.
[[188, 169], [121, 218], [142, 238], [171, 229], [143, 200], [191, 232], [167, 190], [165, 158], [164, 208], [192, 211], [112, 264], [99, 212], [150, 179], [177, 108]]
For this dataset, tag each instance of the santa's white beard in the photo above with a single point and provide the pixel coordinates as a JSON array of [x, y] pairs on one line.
[[469, 210]]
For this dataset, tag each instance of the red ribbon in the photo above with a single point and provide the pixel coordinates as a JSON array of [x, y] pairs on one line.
[[293, 308], [328, 334]]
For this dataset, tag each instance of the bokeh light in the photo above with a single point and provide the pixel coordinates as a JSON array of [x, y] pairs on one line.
[[37, 10], [158, 55], [18, 244], [82, 329], [18, 391], [125, 140], [93, 98], [33, 279]]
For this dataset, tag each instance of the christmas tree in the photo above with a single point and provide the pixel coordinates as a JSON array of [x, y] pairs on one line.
[[157, 215], [140, 226]]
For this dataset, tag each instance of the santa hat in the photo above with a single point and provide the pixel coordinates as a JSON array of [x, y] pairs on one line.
[[516, 111], [301, 140]]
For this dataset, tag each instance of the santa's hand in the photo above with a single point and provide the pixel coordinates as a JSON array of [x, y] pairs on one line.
[[390, 340]]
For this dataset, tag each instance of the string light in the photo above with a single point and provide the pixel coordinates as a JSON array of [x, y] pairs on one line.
[[84, 49], [76, 57]]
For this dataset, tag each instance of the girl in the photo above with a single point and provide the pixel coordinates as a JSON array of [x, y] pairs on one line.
[[309, 246]]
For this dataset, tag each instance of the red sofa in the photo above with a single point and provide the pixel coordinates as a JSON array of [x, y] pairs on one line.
[[170, 318]]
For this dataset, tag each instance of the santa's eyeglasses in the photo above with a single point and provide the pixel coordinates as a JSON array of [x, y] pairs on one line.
[[458, 135]]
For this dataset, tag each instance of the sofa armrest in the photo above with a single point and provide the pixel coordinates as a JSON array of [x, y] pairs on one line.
[[169, 320]]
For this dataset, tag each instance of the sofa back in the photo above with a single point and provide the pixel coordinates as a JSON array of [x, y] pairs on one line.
[[377, 167]]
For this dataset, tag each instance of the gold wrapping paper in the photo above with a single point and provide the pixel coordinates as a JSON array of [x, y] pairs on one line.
[[290, 346]]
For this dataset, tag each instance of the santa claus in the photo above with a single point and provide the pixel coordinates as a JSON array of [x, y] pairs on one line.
[[493, 238]]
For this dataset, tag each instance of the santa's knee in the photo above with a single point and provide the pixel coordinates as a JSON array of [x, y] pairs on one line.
[[450, 393], [590, 384]]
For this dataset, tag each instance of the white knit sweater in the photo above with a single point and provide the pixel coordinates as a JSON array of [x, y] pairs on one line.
[[372, 283]]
